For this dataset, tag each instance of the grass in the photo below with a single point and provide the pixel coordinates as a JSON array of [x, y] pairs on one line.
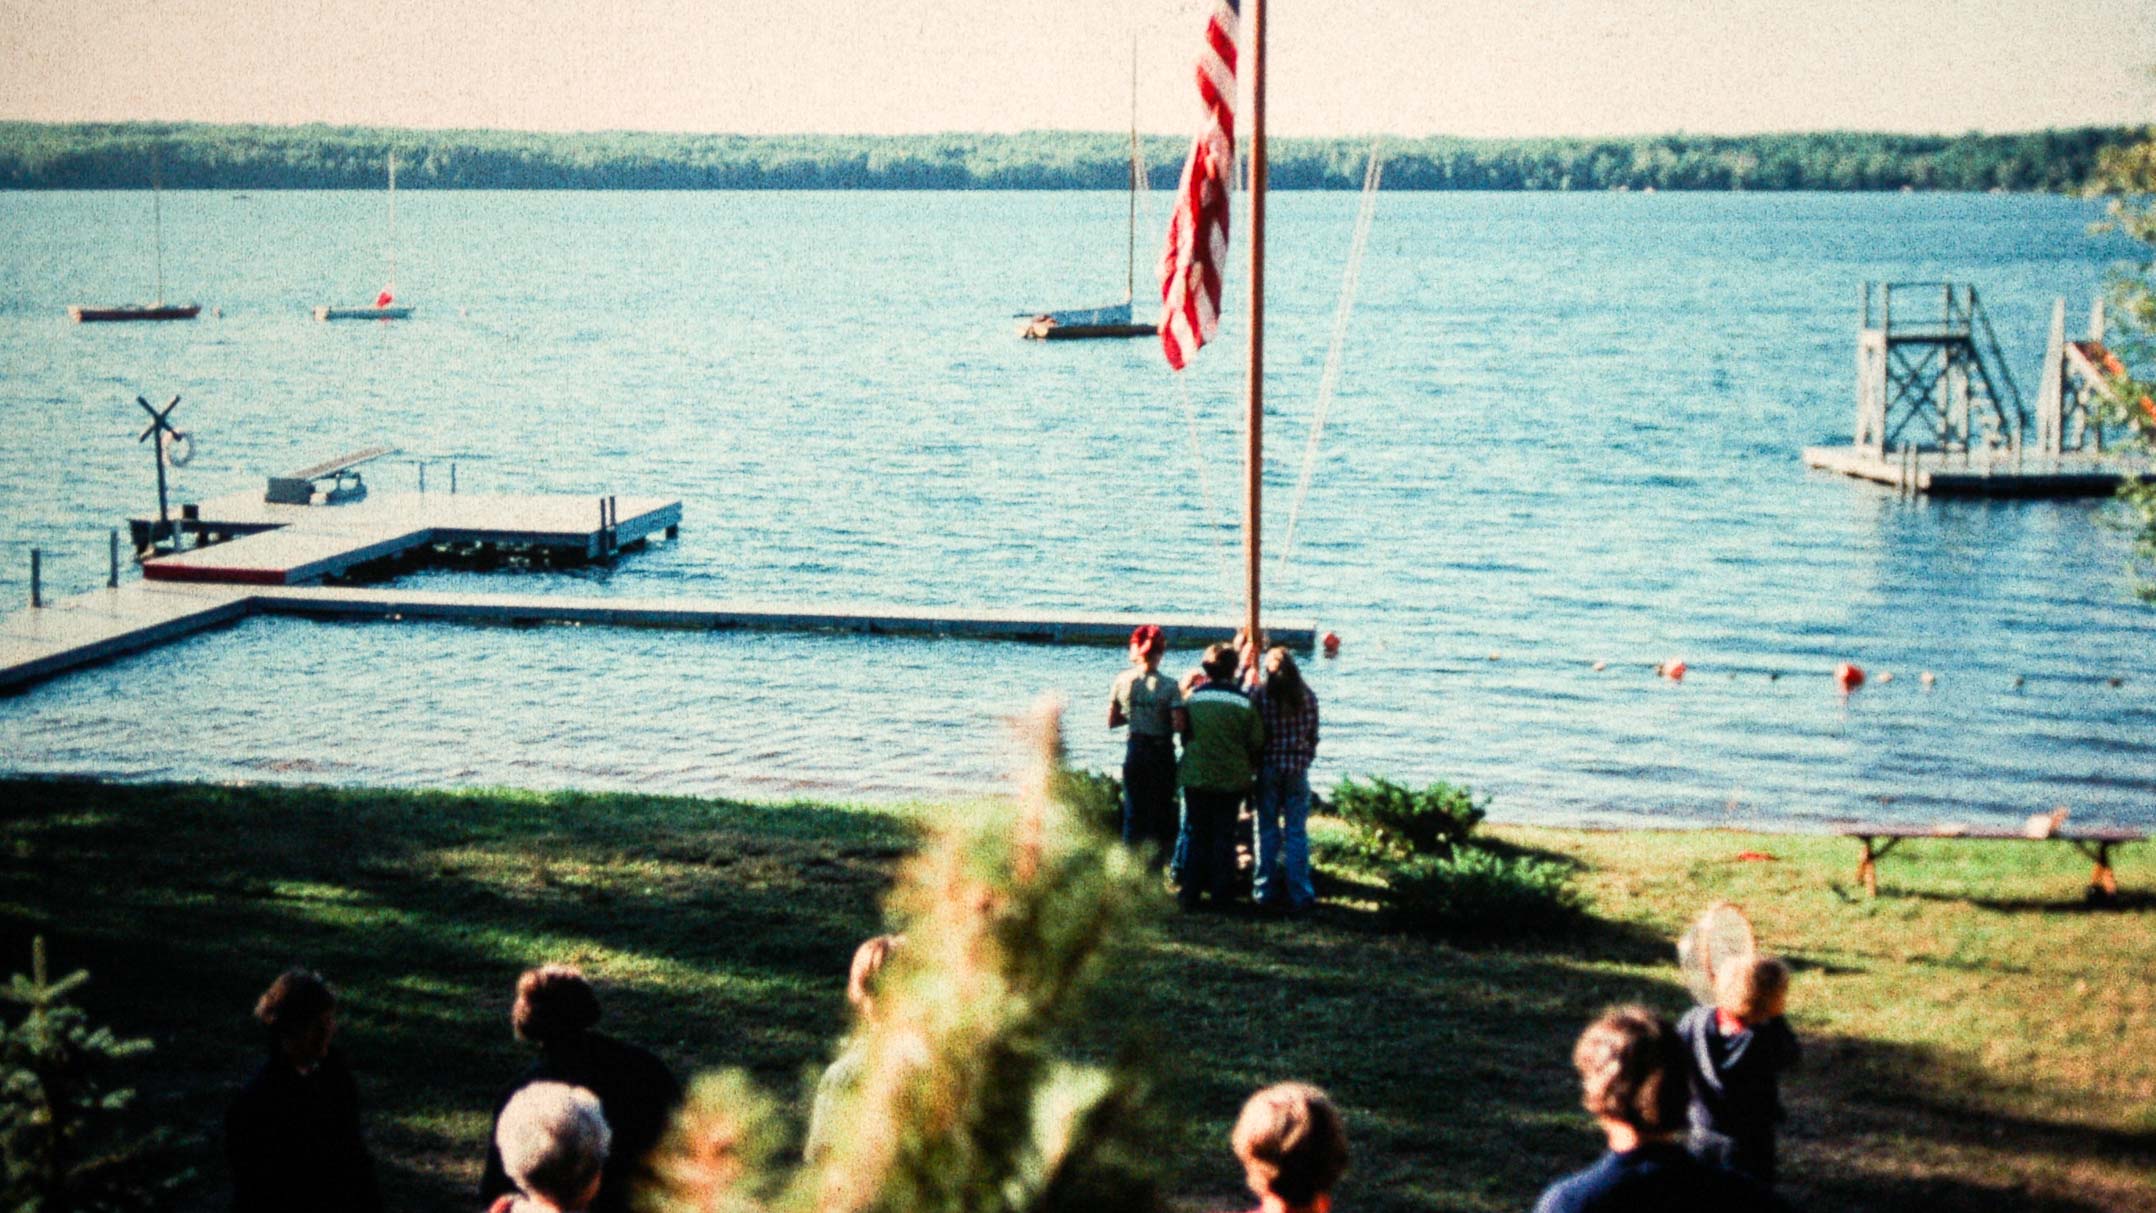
[[1976, 1038]]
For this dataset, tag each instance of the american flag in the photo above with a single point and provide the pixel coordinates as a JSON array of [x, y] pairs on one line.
[[1198, 234]]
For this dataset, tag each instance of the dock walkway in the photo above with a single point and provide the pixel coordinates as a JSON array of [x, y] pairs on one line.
[[43, 642]]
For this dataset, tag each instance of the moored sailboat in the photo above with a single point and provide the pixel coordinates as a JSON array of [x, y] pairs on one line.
[[160, 310], [1112, 320], [385, 305]]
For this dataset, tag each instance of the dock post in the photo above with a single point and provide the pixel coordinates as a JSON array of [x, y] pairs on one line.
[[112, 578], [37, 574], [422, 475], [452, 477]]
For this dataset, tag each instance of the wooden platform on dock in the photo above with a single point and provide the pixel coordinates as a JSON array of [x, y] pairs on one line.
[[43, 642], [1983, 474], [249, 541]]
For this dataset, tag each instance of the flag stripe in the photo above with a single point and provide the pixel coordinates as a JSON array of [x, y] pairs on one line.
[[1197, 245]]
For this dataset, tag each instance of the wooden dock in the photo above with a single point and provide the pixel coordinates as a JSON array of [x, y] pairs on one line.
[[258, 557], [1998, 473], [38, 643], [43, 642], [245, 540]]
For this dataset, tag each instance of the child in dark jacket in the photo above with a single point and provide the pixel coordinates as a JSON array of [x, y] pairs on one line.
[[1739, 1048]]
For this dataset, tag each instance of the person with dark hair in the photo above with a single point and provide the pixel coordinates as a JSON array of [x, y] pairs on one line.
[[1222, 740], [1145, 700], [1632, 1069], [557, 1010], [1292, 1143], [292, 1133], [1289, 710]]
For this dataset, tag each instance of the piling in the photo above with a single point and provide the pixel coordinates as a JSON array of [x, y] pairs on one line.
[[37, 575], [112, 575]]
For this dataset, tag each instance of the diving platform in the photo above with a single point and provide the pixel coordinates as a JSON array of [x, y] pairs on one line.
[[1939, 413]]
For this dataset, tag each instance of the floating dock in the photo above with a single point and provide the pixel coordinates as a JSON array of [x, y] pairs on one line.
[[243, 539], [253, 556], [1983, 474], [39, 643]]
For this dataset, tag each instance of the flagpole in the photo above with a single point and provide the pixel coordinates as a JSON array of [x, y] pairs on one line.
[[1254, 449]]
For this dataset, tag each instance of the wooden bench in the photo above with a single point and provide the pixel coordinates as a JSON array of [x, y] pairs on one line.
[[2095, 844]]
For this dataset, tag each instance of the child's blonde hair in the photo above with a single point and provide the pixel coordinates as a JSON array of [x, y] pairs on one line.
[[1292, 1137], [1746, 986]]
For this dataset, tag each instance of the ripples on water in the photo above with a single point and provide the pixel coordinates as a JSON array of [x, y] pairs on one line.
[[1567, 431]]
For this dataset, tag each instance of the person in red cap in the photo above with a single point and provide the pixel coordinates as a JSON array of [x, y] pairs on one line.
[[1145, 701]]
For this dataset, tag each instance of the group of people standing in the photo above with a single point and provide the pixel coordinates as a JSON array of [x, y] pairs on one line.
[[1248, 728]]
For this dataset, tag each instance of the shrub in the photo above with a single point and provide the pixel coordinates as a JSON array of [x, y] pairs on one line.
[[1403, 823], [1473, 893], [1096, 796]]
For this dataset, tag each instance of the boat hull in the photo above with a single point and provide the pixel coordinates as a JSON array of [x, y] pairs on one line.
[[89, 315], [1049, 330], [362, 313]]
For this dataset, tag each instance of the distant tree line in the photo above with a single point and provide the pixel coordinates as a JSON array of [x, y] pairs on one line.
[[202, 156]]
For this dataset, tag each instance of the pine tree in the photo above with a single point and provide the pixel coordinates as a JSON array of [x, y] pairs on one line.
[[63, 1126], [967, 1103]]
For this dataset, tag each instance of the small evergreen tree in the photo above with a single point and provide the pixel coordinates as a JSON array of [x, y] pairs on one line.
[[63, 1127], [966, 1103]]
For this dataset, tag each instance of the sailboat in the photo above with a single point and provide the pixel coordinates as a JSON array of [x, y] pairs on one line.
[[385, 304], [160, 310], [1114, 320]]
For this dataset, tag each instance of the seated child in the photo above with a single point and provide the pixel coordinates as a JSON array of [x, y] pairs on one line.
[[1738, 1049], [1293, 1147]]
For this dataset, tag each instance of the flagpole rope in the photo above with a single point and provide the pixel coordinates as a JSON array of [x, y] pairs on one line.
[[1329, 381], [1224, 560]]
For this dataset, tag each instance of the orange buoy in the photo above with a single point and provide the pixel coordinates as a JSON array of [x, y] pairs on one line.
[[1848, 677], [1331, 644], [1673, 669]]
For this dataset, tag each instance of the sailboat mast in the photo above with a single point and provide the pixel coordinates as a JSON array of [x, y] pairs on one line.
[[392, 288], [157, 221], [1254, 450], [1130, 254]]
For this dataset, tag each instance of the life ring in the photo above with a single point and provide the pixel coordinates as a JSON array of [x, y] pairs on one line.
[[179, 448]]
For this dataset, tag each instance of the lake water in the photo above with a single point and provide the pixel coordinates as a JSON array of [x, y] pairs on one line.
[[1567, 431]]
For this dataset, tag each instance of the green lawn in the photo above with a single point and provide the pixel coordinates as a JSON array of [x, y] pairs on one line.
[[1976, 1038]]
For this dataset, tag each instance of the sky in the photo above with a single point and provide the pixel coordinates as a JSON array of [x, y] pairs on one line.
[[1336, 67]]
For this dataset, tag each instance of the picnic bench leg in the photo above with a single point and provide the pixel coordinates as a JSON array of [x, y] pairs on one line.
[[2102, 878], [1867, 869]]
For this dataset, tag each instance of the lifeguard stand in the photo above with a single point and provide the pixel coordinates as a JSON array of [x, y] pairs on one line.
[[1930, 374]]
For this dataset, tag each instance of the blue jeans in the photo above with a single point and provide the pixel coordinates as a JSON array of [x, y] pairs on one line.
[[1283, 843]]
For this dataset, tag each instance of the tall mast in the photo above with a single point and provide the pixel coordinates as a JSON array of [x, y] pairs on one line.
[[1254, 450], [392, 223], [1130, 254], [157, 221]]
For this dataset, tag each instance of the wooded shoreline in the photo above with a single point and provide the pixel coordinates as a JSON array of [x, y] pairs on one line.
[[90, 156]]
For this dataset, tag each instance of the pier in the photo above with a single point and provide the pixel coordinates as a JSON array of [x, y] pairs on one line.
[[284, 552], [1938, 411]]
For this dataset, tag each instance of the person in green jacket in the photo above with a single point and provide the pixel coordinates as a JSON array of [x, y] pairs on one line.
[[1222, 741]]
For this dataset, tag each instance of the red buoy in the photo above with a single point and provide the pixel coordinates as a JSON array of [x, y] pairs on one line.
[[1673, 669], [1332, 644], [1848, 677]]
